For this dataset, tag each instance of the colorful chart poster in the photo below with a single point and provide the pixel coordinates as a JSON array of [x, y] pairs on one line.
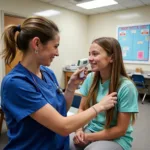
[[135, 43]]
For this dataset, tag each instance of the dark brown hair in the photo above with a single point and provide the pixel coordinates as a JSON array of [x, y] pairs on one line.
[[112, 47], [35, 26]]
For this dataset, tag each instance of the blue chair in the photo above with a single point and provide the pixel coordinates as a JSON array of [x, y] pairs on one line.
[[139, 81], [76, 101]]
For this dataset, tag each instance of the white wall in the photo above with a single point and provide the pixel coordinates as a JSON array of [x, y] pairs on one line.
[[73, 31], [106, 24]]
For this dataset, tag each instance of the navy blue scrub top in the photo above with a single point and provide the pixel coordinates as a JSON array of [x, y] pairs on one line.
[[22, 94]]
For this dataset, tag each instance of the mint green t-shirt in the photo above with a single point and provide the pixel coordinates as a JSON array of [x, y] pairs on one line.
[[127, 102]]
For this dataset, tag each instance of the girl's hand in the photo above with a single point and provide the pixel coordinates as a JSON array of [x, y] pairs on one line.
[[79, 139], [75, 79]]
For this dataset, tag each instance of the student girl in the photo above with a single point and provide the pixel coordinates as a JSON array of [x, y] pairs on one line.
[[110, 130]]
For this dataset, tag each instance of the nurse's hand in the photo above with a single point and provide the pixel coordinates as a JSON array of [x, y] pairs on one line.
[[75, 79], [106, 103]]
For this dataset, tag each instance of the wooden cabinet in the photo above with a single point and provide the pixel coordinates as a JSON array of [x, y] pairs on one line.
[[67, 75], [1, 119]]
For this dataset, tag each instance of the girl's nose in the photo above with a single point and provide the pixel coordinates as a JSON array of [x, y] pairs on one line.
[[90, 58]]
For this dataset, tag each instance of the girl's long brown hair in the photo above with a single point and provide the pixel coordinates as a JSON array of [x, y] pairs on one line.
[[112, 47]]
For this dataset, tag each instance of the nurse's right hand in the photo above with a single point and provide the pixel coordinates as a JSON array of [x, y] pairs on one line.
[[107, 102], [75, 79]]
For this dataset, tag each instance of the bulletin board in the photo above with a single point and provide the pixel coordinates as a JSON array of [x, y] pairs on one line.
[[135, 43]]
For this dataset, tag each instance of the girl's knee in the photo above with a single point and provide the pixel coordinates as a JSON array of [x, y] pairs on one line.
[[71, 144]]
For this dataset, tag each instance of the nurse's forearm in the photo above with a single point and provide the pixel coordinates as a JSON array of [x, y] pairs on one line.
[[69, 95], [64, 125], [74, 122]]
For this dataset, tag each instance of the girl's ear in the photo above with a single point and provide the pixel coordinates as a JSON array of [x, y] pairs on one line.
[[111, 58]]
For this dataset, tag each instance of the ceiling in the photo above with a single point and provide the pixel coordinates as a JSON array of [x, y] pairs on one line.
[[122, 4]]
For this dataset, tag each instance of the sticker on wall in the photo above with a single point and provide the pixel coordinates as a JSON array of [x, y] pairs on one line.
[[147, 38], [140, 55], [133, 31], [140, 42], [145, 31], [126, 48], [124, 53], [122, 33]]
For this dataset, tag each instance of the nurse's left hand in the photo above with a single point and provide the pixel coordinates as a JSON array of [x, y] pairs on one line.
[[75, 79]]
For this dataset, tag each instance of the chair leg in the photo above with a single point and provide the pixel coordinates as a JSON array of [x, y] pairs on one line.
[[1, 121], [143, 98]]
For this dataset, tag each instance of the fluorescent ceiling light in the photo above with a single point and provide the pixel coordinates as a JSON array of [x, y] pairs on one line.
[[47, 13], [129, 16], [96, 3]]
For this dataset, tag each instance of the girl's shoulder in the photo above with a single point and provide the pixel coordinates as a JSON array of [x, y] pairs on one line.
[[126, 84]]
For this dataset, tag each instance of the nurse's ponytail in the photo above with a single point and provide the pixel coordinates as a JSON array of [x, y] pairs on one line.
[[9, 51], [35, 26]]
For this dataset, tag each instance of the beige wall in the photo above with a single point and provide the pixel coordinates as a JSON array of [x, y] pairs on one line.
[[73, 31], [106, 25], [77, 30], [1, 61]]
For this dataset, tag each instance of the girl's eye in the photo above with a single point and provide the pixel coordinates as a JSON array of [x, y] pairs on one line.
[[95, 54]]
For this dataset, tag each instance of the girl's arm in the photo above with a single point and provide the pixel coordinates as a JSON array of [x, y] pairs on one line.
[[114, 132]]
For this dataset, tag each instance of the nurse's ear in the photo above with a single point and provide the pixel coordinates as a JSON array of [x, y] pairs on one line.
[[35, 44]]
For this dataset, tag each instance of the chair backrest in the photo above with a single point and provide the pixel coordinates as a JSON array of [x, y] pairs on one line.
[[76, 101], [139, 80]]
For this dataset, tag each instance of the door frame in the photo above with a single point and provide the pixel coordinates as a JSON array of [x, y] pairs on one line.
[[2, 64], [2, 15]]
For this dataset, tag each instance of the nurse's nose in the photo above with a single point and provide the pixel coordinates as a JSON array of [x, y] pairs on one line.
[[57, 53]]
